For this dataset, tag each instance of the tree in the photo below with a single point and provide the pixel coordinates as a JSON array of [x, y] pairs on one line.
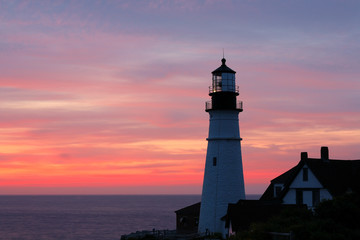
[[337, 219]]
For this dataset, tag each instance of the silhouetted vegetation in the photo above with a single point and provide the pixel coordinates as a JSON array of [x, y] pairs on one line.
[[335, 219], [146, 237]]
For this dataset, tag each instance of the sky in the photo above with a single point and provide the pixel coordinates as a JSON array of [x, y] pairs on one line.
[[108, 97]]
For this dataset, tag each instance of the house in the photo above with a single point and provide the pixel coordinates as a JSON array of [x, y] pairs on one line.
[[314, 179], [187, 219], [305, 185]]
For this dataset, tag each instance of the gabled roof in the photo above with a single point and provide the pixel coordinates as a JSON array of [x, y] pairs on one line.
[[282, 179], [337, 176], [190, 210]]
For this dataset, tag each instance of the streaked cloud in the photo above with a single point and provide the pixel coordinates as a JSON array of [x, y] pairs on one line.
[[109, 96]]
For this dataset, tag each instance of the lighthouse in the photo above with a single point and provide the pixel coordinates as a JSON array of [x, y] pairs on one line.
[[223, 177]]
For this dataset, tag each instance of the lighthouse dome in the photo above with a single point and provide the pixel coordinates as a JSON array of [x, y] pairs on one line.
[[223, 68]]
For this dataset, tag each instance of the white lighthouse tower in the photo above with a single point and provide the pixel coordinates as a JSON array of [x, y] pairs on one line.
[[223, 178]]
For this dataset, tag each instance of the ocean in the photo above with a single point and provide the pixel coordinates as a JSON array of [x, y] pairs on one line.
[[95, 217]]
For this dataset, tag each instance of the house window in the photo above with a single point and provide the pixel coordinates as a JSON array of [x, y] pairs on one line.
[[278, 191], [299, 197], [305, 174], [315, 197], [278, 187], [214, 161]]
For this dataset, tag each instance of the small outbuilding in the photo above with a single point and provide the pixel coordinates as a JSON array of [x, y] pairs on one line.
[[187, 219]]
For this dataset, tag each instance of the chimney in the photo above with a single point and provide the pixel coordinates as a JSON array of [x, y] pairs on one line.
[[325, 154], [304, 155]]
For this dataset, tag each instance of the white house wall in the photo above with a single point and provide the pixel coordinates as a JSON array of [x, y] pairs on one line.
[[307, 198], [312, 181], [290, 197], [306, 186]]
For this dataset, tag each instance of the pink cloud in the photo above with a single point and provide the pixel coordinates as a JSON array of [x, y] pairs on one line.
[[116, 92]]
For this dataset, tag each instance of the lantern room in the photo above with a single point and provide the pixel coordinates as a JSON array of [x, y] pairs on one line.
[[223, 90], [223, 79]]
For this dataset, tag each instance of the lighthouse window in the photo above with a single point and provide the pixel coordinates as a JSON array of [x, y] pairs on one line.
[[228, 82], [214, 161], [217, 83]]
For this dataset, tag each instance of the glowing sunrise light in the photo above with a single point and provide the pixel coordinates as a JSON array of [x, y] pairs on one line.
[[172, 145], [110, 98], [39, 105]]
